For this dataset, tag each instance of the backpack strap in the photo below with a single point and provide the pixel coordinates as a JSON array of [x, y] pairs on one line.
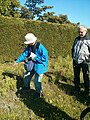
[[29, 50], [37, 44]]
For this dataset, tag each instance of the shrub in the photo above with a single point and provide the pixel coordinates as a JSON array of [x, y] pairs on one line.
[[56, 38]]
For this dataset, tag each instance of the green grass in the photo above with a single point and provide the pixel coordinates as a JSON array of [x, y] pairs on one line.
[[58, 103]]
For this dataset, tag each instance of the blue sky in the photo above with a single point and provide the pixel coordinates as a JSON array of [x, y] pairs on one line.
[[76, 10]]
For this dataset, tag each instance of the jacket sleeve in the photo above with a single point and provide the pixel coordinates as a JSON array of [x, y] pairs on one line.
[[88, 45], [72, 50], [23, 56], [42, 55]]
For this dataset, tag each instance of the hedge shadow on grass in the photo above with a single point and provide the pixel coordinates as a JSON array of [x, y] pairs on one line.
[[70, 90], [39, 106]]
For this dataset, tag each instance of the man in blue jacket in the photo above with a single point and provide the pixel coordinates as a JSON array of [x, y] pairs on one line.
[[40, 59]]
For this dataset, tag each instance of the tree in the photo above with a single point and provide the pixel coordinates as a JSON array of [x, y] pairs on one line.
[[25, 13], [35, 11], [39, 12], [50, 17], [9, 7], [46, 16], [31, 4]]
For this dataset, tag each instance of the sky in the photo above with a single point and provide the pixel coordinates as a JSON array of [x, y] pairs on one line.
[[76, 10]]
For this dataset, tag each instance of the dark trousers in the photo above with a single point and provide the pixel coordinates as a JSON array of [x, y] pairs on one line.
[[85, 69]]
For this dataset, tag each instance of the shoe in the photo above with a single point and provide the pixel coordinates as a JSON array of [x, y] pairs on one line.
[[40, 95]]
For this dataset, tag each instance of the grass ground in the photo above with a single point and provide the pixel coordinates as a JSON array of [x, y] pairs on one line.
[[58, 103]]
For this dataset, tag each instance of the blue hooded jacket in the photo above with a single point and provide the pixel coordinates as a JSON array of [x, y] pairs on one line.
[[40, 60]]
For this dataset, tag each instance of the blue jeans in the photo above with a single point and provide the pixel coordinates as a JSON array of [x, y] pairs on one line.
[[37, 80]]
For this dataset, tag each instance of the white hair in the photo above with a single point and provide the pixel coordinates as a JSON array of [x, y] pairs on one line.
[[82, 27]]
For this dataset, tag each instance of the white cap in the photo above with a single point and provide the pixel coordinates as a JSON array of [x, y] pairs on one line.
[[30, 38]]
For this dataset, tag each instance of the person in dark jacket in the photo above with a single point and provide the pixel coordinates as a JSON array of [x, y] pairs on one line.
[[80, 55], [40, 58]]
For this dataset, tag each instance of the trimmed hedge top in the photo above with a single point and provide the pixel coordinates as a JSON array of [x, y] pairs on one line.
[[58, 39]]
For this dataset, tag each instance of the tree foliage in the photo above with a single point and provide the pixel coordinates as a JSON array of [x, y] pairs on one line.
[[50, 17], [9, 7], [34, 10], [39, 12], [31, 4], [31, 10], [25, 13]]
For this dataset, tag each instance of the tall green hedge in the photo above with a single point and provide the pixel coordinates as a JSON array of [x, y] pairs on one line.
[[56, 38]]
